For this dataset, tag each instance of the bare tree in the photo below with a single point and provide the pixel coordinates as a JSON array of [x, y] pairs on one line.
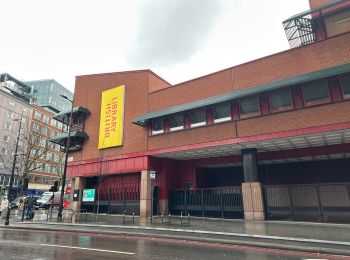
[[34, 151]]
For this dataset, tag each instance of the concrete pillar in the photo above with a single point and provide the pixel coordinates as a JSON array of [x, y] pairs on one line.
[[163, 206], [253, 201], [145, 195], [78, 183]]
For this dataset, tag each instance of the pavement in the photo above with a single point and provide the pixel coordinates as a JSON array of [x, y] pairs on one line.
[[298, 236]]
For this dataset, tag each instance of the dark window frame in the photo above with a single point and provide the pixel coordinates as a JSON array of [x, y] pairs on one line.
[[280, 109], [345, 96], [251, 114], [158, 132], [314, 103], [199, 124], [223, 119], [177, 128]]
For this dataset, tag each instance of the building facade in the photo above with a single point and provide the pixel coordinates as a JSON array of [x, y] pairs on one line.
[[12, 109], [46, 158], [267, 139]]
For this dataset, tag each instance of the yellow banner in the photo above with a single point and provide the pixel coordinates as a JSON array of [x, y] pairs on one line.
[[111, 118]]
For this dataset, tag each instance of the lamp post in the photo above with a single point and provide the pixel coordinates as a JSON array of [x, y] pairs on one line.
[[7, 221], [59, 216]]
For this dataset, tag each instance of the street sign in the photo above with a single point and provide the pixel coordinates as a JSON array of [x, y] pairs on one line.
[[88, 195]]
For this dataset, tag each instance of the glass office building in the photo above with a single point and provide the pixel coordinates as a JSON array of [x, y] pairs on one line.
[[47, 95]]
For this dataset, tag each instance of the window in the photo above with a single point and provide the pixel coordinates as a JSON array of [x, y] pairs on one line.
[[53, 133], [198, 117], [6, 138], [250, 106], [24, 119], [53, 122], [46, 119], [280, 100], [37, 179], [222, 112], [43, 130], [43, 142], [157, 126], [345, 82], [48, 168], [7, 126], [24, 109], [3, 151], [33, 152], [316, 92], [12, 103], [48, 156], [46, 180], [176, 122], [37, 114], [9, 114], [35, 127]]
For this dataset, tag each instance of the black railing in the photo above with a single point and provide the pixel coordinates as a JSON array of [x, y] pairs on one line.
[[323, 202], [222, 202]]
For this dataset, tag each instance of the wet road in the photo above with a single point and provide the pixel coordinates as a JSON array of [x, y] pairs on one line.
[[42, 245]]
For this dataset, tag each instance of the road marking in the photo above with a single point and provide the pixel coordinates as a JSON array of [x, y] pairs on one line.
[[90, 249]]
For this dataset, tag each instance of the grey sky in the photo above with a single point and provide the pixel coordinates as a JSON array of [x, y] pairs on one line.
[[179, 40], [170, 32]]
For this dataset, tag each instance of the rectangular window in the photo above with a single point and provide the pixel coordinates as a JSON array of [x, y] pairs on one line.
[[53, 122], [7, 126], [316, 92], [176, 122], [281, 100], [9, 114], [3, 151], [46, 179], [46, 119], [37, 179], [157, 126], [250, 106], [48, 168], [198, 117], [345, 82], [222, 113], [37, 114], [6, 138]]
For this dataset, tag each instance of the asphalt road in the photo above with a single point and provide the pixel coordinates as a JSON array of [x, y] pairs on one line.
[[41, 245]]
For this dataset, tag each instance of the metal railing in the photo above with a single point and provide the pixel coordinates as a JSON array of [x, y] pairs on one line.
[[318, 202], [224, 202]]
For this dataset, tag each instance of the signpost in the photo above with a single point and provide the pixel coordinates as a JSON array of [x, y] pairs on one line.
[[152, 176]]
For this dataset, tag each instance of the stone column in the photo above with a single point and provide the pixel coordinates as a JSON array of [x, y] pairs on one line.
[[145, 195], [78, 183], [163, 206], [253, 201]]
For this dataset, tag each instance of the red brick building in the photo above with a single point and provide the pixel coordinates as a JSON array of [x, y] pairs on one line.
[[268, 138]]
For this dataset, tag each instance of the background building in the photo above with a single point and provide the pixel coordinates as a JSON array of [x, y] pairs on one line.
[[267, 139], [46, 94], [46, 157], [40, 160], [12, 107]]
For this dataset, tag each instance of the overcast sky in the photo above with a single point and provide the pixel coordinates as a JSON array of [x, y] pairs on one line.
[[177, 39]]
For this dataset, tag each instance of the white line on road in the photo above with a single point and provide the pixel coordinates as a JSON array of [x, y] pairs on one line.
[[90, 249]]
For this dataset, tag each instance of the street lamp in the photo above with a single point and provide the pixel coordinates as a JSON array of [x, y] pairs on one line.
[[9, 195], [59, 216]]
